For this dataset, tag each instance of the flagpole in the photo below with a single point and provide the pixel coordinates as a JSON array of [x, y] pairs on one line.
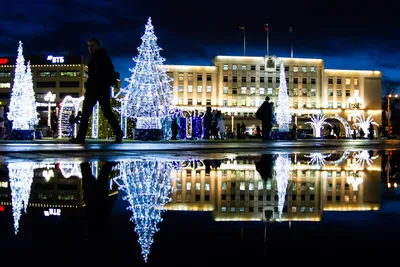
[[268, 42], [244, 42], [291, 40]]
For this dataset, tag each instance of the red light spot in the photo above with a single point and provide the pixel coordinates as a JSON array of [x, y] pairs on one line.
[[1, 208], [3, 60]]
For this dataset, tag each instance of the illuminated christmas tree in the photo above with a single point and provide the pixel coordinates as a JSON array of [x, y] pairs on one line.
[[21, 177], [148, 95], [22, 112], [282, 168], [148, 186], [283, 116]]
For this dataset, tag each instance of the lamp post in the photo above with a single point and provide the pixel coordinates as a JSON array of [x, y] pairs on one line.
[[49, 97], [388, 113]]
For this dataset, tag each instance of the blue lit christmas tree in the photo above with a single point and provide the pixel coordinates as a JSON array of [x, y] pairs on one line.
[[148, 186], [22, 112], [148, 95]]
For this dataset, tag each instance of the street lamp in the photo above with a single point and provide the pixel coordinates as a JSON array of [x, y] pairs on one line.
[[49, 97], [388, 112]]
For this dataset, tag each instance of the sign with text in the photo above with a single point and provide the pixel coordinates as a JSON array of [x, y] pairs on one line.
[[54, 59]]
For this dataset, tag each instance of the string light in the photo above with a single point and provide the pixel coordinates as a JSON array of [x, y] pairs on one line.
[[363, 123], [317, 159], [68, 105], [283, 116], [318, 122], [282, 169], [95, 121], [148, 186], [22, 103], [21, 177], [148, 94]]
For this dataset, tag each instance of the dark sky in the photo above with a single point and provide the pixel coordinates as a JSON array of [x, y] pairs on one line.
[[346, 34]]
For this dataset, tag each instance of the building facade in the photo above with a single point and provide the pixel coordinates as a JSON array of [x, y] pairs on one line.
[[60, 75], [238, 85]]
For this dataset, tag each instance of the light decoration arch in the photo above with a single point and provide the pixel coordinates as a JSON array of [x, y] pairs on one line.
[[345, 124], [68, 105]]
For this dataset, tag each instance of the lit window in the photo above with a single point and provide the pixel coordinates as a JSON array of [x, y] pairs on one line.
[[330, 105], [339, 105], [243, 90], [304, 69], [241, 209], [190, 88], [260, 185], [313, 69], [243, 102], [233, 209], [348, 81], [180, 77], [252, 90], [313, 104], [190, 101], [269, 91], [188, 186], [251, 186], [225, 67], [207, 186], [339, 92], [330, 92], [304, 92], [180, 101], [208, 89], [355, 81], [64, 73], [179, 186], [262, 91], [295, 69], [346, 198], [242, 186], [199, 102], [295, 92], [313, 92], [190, 77], [5, 85], [294, 209], [199, 89], [225, 90], [223, 186], [225, 103], [180, 88], [5, 74], [197, 186], [234, 67], [3, 184], [268, 185], [243, 67], [223, 209]]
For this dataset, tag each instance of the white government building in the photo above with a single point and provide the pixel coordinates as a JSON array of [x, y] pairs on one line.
[[237, 86]]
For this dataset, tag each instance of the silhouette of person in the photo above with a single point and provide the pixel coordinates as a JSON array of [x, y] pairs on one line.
[[265, 166], [265, 114], [98, 202], [101, 78]]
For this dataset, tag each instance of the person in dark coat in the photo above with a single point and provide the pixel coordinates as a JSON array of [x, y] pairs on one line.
[[101, 78], [207, 123], [371, 131], [265, 166], [265, 114]]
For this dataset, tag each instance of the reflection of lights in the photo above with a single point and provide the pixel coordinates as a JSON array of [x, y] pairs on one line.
[[364, 123], [317, 159], [47, 174], [21, 176], [69, 169], [52, 212], [363, 157], [345, 155], [355, 180], [148, 185], [282, 168]]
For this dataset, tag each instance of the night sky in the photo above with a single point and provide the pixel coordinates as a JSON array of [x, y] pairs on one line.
[[346, 34]]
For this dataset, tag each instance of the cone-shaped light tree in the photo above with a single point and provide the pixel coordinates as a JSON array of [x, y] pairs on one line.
[[22, 112], [282, 169], [149, 92], [283, 116], [21, 177], [148, 186]]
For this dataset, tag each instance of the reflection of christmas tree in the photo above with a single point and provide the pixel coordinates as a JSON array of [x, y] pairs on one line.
[[21, 176], [147, 185], [22, 103], [282, 168], [148, 95]]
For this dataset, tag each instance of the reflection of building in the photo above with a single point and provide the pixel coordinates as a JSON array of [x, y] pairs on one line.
[[62, 75], [237, 85], [235, 191], [62, 190]]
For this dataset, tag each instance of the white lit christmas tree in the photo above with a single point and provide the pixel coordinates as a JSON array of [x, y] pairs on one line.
[[148, 186], [318, 122], [22, 112], [282, 169], [283, 116], [149, 93], [21, 177]]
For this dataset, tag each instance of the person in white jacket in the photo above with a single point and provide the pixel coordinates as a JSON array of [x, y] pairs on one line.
[[221, 127]]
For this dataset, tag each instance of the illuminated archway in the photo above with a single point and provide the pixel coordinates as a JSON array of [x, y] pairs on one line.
[[345, 124], [68, 105]]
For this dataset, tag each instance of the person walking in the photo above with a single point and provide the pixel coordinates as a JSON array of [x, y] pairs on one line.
[[265, 114], [101, 78], [221, 127]]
